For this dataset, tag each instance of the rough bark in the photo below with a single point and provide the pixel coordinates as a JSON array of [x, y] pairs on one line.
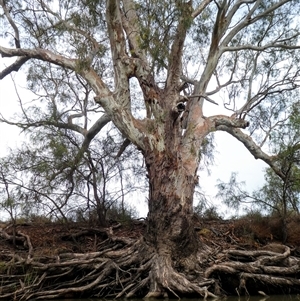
[[170, 227], [170, 259]]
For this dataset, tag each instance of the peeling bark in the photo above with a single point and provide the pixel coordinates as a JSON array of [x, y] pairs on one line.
[[164, 261]]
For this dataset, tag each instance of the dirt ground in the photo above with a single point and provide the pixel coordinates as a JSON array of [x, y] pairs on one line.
[[57, 238]]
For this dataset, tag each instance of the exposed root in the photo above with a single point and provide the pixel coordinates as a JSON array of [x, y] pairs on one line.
[[257, 271], [124, 267], [164, 279], [120, 268]]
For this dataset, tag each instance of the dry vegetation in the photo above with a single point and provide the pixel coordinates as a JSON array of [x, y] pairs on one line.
[[52, 260]]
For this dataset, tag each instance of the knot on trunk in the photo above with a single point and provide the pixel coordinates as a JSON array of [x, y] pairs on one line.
[[178, 109]]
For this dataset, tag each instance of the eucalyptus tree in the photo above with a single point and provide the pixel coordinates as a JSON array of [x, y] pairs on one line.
[[47, 181], [280, 195], [182, 57], [283, 194]]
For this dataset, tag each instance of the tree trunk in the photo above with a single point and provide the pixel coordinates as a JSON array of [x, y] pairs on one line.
[[170, 228]]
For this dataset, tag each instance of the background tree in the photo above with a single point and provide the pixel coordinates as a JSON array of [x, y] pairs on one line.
[[58, 174], [279, 196], [182, 56]]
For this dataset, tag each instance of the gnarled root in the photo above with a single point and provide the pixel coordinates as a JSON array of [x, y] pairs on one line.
[[165, 280], [125, 267], [120, 268], [270, 270]]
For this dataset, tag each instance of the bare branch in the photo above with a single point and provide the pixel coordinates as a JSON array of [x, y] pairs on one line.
[[188, 80], [198, 10], [130, 23], [90, 135], [103, 95], [71, 117], [124, 145], [109, 101], [41, 54], [14, 67], [221, 24], [286, 84], [175, 61], [260, 48], [12, 23], [253, 148], [268, 132], [248, 20], [42, 123], [222, 120], [95, 129], [204, 96], [115, 30]]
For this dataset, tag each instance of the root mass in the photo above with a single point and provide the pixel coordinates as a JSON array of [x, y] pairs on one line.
[[123, 266]]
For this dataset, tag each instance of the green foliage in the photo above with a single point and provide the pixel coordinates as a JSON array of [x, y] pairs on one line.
[[30, 277], [280, 194], [3, 266], [254, 215], [117, 212], [113, 212], [206, 153], [232, 193], [207, 213], [202, 27], [158, 21], [248, 51]]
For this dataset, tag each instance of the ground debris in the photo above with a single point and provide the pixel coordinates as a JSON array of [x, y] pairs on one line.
[[46, 261]]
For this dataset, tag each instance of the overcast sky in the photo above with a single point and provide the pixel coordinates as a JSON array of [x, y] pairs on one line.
[[231, 155]]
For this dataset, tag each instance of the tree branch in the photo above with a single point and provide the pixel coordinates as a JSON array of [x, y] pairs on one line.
[[124, 145], [116, 34], [253, 148], [12, 23], [286, 84], [40, 54], [130, 23], [220, 120], [197, 11], [95, 129], [90, 135], [248, 20], [175, 61], [221, 24], [204, 96], [123, 119], [71, 26], [260, 48], [13, 67], [40, 123]]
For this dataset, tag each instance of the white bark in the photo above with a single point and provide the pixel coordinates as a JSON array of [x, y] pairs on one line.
[[163, 132]]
